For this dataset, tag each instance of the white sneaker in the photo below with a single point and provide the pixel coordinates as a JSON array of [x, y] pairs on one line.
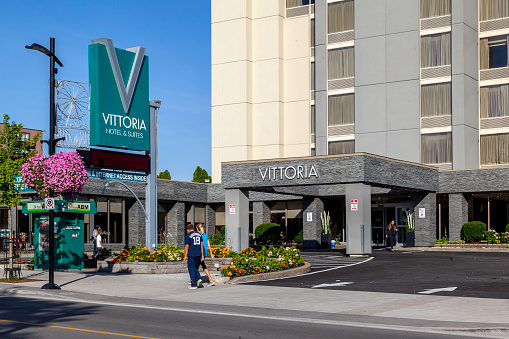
[[192, 287], [212, 283]]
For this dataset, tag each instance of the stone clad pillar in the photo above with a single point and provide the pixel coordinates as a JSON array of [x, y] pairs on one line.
[[136, 229], [312, 227], [177, 222], [426, 226], [458, 215], [358, 219], [261, 213], [210, 220], [236, 219]]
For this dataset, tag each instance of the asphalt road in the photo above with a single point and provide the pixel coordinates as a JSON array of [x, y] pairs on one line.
[[465, 274], [23, 317]]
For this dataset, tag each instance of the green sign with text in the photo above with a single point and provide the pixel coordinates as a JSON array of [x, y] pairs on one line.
[[119, 98]]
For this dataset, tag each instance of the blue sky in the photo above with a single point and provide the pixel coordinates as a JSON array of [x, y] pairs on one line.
[[176, 35]]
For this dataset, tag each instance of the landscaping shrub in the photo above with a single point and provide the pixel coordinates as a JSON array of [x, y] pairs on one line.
[[217, 239], [473, 231], [507, 228], [504, 237], [266, 260], [492, 237], [299, 239], [221, 252], [161, 254], [267, 233]]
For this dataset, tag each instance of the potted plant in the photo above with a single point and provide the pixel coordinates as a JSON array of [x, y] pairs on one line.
[[326, 225], [410, 230]]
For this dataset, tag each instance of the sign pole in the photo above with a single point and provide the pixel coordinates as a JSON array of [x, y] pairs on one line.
[[151, 187], [51, 143]]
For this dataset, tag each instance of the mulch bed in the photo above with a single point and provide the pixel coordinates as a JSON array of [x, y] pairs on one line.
[[18, 281]]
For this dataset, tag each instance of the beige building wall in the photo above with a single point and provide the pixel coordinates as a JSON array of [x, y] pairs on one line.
[[260, 82]]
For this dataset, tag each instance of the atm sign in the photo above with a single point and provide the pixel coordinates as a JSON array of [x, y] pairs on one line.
[[78, 207]]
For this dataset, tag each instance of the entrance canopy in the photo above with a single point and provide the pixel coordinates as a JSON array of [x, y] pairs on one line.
[[352, 176]]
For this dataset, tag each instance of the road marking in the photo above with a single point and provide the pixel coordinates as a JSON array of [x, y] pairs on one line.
[[304, 274], [435, 290], [344, 283], [75, 329]]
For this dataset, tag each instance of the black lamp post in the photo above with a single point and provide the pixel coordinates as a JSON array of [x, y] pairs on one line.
[[51, 144]]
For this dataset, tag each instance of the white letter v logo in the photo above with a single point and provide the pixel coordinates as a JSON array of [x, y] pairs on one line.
[[126, 93]]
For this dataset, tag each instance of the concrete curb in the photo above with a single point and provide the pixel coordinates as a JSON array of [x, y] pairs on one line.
[[451, 248], [273, 275]]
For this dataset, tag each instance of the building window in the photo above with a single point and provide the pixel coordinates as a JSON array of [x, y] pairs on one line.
[[313, 119], [494, 149], [110, 217], [493, 52], [297, 3], [341, 147], [341, 109], [340, 17], [436, 100], [436, 148], [312, 33], [493, 9], [434, 8], [436, 50], [25, 137], [341, 63], [494, 101], [313, 80]]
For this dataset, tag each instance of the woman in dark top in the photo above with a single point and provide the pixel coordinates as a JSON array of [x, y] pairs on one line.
[[392, 232]]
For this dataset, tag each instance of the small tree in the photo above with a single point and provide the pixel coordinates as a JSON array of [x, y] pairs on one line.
[[13, 154], [200, 175], [164, 175]]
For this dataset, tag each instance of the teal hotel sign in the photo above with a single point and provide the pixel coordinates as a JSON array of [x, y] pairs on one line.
[[119, 98]]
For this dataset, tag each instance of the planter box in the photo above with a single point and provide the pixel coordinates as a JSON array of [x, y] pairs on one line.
[[326, 240], [410, 239], [157, 267]]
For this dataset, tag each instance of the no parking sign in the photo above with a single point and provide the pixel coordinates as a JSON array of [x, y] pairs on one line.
[[49, 203]]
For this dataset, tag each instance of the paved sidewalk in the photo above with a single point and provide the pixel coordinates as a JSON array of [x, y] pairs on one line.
[[425, 312]]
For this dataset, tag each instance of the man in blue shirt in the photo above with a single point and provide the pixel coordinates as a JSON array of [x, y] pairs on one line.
[[193, 254]]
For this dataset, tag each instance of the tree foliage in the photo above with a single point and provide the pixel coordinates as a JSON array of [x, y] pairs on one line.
[[13, 154], [164, 175], [200, 175]]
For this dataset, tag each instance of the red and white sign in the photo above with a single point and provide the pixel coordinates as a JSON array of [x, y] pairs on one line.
[[49, 203], [232, 208], [354, 206]]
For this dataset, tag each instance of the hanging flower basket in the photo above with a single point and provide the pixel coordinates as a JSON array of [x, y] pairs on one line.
[[62, 173]]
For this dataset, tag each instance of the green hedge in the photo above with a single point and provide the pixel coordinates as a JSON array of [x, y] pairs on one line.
[[473, 231], [267, 233]]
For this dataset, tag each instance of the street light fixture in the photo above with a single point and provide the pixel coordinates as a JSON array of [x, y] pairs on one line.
[[51, 143]]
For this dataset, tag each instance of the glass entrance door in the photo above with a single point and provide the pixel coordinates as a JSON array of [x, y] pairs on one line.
[[377, 226]]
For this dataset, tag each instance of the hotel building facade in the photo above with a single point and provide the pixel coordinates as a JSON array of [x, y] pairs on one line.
[[403, 102]]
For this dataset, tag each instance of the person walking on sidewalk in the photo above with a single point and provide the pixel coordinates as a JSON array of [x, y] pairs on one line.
[[206, 247], [193, 254], [99, 241], [392, 232], [94, 240]]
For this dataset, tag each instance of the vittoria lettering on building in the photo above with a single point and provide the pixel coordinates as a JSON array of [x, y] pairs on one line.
[[288, 172]]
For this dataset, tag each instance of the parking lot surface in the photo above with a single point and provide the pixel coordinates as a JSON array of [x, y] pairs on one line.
[[465, 274]]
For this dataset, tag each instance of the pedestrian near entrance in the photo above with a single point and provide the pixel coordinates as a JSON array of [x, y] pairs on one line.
[[99, 241], [94, 240], [392, 232], [206, 247], [193, 254]]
